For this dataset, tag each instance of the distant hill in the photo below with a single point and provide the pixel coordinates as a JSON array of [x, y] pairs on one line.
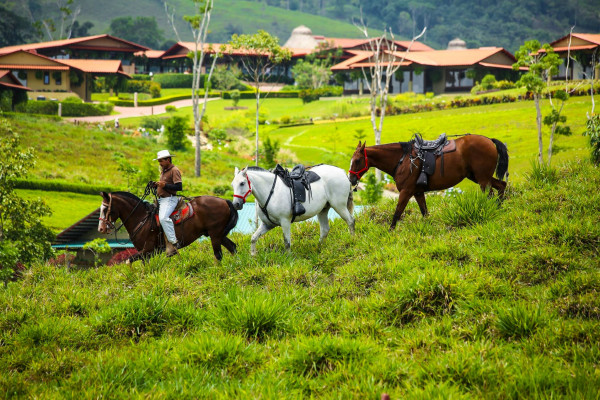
[[506, 23]]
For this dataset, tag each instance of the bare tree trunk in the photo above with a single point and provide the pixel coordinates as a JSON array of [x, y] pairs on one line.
[[538, 120]]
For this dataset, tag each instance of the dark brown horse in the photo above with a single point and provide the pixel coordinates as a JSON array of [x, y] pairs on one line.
[[476, 158], [213, 217]]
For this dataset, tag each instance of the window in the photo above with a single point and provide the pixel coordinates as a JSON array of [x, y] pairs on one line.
[[46, 77], [57, 78]]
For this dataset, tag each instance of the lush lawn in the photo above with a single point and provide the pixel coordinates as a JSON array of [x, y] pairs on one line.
[[504, 306], [67, 208]]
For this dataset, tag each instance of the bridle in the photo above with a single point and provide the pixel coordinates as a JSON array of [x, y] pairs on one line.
[[360, 173], [106, 220], [247, 193]]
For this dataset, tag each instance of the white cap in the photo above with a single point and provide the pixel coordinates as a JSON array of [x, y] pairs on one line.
[[163, 154]]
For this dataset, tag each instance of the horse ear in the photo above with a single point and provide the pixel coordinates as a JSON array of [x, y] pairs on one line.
[[363, 145], [359, 145], [237, 170]]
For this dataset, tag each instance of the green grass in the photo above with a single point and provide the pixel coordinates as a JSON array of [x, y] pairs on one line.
[[505, 308], [67, 208]]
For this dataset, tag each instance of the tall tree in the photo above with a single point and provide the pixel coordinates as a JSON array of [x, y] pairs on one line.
[[199, 26], [385, 61], [542, 63], [13, 29], [260, 53]]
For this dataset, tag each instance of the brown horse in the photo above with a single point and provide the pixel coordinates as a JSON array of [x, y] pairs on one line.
[[476, 157], [213, 217]]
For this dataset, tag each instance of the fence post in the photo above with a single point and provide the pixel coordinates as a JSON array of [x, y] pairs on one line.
[[135, 99], [60, 109]]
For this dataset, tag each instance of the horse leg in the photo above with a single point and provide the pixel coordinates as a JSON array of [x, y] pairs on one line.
[[420, 198], [323, 224], [346, 216], [402, 202], [216, 246], [500, 186], [286, 227], [229, 245], [262, 229]]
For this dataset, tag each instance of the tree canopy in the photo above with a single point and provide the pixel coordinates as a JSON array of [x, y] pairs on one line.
[[141, 30]]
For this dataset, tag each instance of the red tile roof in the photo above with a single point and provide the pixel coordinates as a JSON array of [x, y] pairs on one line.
[[67, 42], [15, 85], [39, 67], [96, 66]]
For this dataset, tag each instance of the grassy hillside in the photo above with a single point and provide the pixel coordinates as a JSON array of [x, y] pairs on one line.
[[228, 15], [505, 308]]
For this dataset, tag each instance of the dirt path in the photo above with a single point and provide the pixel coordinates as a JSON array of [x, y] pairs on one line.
[[128, 112]]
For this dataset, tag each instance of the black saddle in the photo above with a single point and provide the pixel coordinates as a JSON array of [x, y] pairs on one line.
[[428, 151], [434, 146], [298, 180]]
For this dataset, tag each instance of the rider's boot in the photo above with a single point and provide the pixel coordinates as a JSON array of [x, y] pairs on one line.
[[171, 248]]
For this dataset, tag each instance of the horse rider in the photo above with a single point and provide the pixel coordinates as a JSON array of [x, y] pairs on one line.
[[166, 188]]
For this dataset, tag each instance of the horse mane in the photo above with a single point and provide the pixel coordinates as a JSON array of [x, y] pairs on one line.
[[255, 168], [132, 197], [406, 146]]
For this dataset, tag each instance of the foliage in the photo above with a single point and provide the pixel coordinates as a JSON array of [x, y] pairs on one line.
[[142, 30], [69, 108], [23, 238], [270, 150], [235, 97], [225, 78], [520, 321], [176, 128], [311, 75], [488, 81], [373, 189], [174, 80], [310, 95], [14, 28], [97, 246], [593, 132]]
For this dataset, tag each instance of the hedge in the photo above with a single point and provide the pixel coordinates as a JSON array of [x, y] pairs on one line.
[[69, 109], [141, 77], [251, 94], [177, 80], [156, 102], [58, 186]]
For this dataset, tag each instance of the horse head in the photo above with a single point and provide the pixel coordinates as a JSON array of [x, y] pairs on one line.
[[358, 164], [241, 188], [108, 214]]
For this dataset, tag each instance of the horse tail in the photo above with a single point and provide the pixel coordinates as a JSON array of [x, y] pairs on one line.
[[502, 166], [233, 218], [350, 203]]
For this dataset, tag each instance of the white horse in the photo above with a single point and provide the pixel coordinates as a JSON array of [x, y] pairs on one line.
[[275, 199]]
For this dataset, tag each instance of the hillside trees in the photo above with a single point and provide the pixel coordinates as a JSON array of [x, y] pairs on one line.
[[141, 30], [53, 19], [263, 54], [13, 29], [23, 238]]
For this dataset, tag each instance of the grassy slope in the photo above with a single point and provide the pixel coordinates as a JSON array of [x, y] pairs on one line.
[[246, 15], [504, 309]]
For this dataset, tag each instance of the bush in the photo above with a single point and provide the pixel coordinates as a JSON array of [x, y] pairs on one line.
[[235, 97], [155, 90], [69, 108], [373, 189], [593, 132], [58, 186], [488, 82], [309, 95], [134, 86], [175, 130], [542, 174], [155, 102]]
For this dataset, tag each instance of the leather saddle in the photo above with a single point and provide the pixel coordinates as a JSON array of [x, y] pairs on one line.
[[428, 151], [298, 180], [182, 212]]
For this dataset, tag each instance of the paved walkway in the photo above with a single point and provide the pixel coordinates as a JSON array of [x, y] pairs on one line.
[[128, 112]]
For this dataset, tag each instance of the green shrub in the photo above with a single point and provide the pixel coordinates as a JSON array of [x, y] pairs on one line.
[[373, 189], [152, 122], [593, 132], [155, 102], [235, 97], [520, 321], [253, 315], [134, 86], [176, 128], [170, 109], [472, 207], [58, 186], [488, 82], [141, 77], [155, 90], [69, 108]]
